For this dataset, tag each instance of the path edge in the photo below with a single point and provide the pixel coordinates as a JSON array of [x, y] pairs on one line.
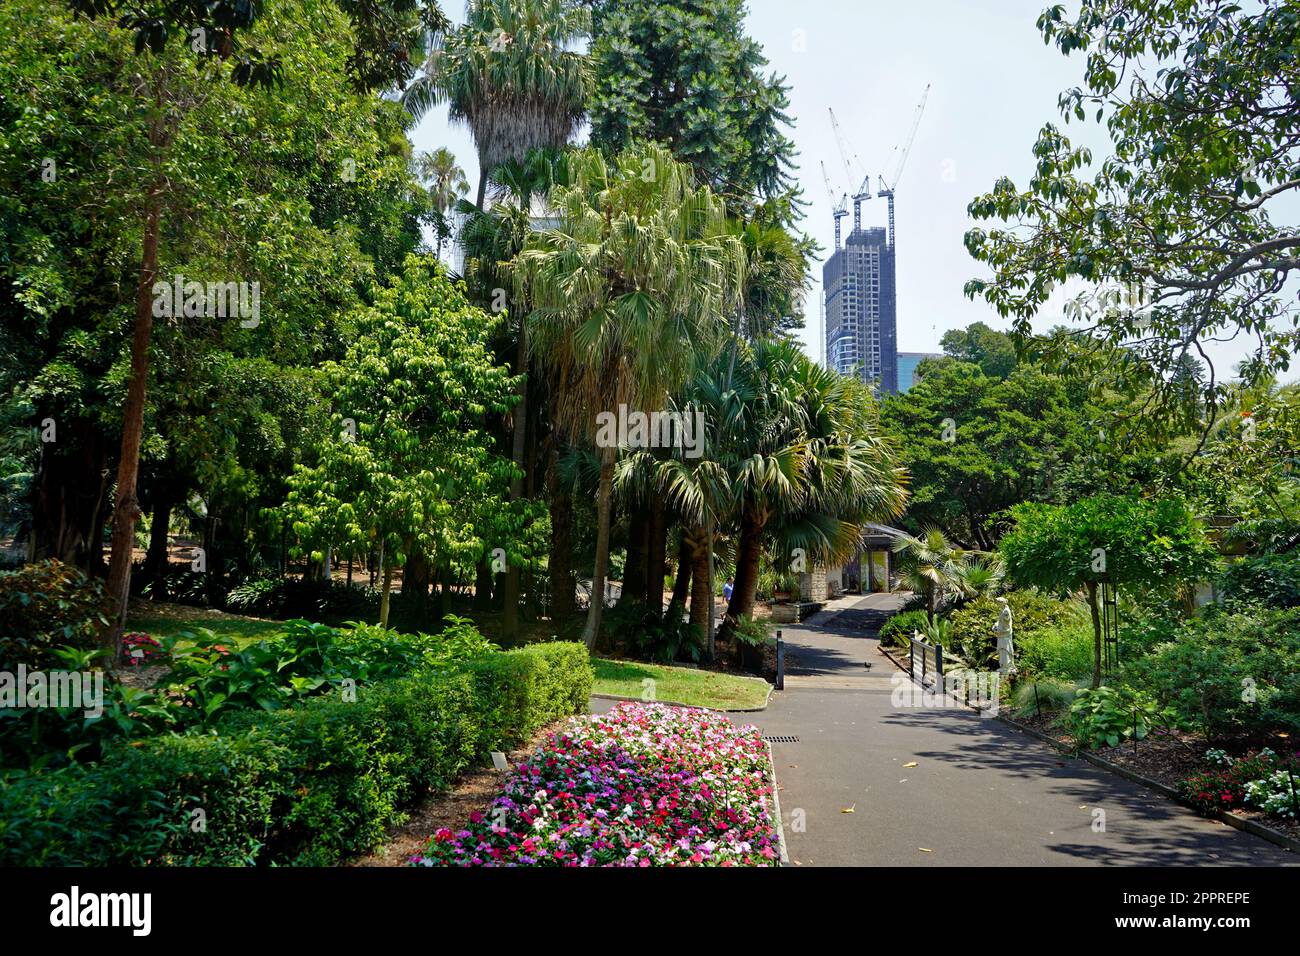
[[1276, 837], [776, 805]]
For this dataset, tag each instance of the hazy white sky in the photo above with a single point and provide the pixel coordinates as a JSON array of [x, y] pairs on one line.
[[994, 83]]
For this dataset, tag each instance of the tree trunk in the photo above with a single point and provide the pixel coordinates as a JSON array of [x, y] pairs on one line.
[[748, 553], [483, 578], [155, 559], [386, 595], [1096, 634], [510, 615], [591, 632], [701, 593], [682, 582], [126, 509], [563, 600], [656, 557], [68, 495], [638, 539], [482, 185]]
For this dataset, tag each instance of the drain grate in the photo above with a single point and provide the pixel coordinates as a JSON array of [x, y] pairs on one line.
[[782, 739]]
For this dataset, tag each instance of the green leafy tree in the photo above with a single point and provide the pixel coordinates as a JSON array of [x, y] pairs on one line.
[[406, 466], [976, 445], [993, 351], [1129, 542], [684, 73], [1186, 232], [627, 293]]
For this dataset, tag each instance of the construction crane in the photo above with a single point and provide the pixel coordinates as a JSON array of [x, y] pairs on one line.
[[887, 189], [838, 210], [849, 174]]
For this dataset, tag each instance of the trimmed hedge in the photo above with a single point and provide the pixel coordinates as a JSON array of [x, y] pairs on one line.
[[305, 786]]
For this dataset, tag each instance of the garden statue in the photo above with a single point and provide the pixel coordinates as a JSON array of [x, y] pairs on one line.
[[1006, 651]]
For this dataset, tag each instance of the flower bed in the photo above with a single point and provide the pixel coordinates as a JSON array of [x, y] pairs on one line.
[[644, 785], [1259, 780]]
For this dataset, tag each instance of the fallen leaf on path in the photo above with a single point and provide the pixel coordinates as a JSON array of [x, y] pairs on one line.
[[847, 809], [924, 849], [912, 764]]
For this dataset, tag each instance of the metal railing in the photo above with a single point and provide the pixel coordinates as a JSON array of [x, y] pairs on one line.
[[931, 657]]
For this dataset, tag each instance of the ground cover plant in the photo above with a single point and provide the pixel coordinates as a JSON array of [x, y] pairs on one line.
[[644, 785]]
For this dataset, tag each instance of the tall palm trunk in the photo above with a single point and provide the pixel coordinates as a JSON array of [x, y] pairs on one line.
[[592, 629], [748, 553], [701, 593], [682, 582], [482, 184], [510, 614], [638, 540], [656, 557], [560, 565]]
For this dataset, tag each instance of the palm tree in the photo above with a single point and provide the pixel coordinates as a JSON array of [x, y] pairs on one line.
[[809, 467], [446, 183], [627, 293], [930, 565], [511, 75]]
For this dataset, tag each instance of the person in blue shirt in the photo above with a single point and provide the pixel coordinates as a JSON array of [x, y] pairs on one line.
[[727, 588]]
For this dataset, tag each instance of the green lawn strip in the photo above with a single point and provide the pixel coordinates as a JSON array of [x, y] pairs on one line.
[[682, 685], [233, 627]]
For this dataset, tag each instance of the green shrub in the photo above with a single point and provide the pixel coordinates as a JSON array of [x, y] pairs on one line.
[[1272, 580], [897, 631], [650, 634], [304, 785], [44, 606], [1043, 696], [1031, 612], [1105, 716], [1059, 651], [1231, 671]]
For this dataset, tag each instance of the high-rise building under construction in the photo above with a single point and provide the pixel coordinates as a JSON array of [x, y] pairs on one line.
[[858, 283]]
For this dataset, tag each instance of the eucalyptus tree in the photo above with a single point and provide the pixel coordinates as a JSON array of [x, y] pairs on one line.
[[627, 293], [511, 73]]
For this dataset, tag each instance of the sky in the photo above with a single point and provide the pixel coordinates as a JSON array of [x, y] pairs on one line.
[[993, 85]]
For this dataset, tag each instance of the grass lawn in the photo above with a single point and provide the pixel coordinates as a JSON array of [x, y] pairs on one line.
[[682, 685], [166, 620]]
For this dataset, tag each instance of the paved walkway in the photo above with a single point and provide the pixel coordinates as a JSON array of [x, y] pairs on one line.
[[981, 793]]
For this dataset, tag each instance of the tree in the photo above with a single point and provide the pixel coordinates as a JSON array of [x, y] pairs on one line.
[[976, 445], [993, 351], [1129, 542], [406, 467], [1186, 232], [230, 417], [511, 74], [626, 293], [930, 564], [806, 462], [683, 73], [447, 185]]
